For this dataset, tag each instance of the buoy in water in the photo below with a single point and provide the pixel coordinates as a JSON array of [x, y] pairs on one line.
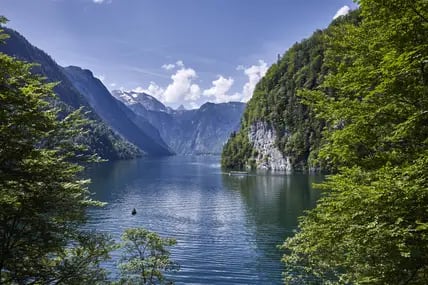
[[134, 211]]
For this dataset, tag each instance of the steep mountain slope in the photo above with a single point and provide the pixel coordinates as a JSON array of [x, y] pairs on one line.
[[199, 131], [100, 139], [278, 132], [113, 112], [204, 130]]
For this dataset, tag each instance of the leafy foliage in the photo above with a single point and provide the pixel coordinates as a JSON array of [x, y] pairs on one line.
[[42, 199], [237, 152], [371, 226], [275, 101], [146, 257]]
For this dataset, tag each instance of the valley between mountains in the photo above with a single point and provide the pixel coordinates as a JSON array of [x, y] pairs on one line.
[[127, 124]]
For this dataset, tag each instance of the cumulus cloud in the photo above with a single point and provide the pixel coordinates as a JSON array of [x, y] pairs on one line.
[[171, 66], [254, 74], [99, 1], [181, 90], [153, 89], [342, 12], [194, 94], [219, 90], [184, 89], [182, 86], [168, 66]]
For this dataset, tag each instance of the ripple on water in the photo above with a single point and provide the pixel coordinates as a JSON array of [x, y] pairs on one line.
[[227, 228]]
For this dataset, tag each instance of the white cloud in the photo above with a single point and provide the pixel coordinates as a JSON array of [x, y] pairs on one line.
[[153, 89], [113, 85], [219, 90], [181, 90], [221, 86], [195, 93], [171, 66], [99, 1], [184, 89], [342, 11], [254, 73], [182, 86], [168, 66]]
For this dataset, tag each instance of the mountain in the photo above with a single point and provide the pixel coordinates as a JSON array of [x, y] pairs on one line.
[[134, 128], [278, 132], [150, 103], [100, 139], [198, 131], [181, 108]]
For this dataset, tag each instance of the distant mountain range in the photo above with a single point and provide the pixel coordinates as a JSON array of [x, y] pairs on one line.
[[129, 123], [197, 131]]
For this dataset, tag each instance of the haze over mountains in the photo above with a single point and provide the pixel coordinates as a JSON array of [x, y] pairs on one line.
[[129, 124], [197, 131]]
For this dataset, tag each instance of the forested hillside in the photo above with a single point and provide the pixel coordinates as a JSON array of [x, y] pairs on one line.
[[99, 137], [371, 225], [276, 107]]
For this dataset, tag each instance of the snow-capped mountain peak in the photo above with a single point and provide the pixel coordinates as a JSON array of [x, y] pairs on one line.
[[149, 102]]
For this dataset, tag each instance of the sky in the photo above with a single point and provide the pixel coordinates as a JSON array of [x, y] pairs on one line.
[[183, 52]]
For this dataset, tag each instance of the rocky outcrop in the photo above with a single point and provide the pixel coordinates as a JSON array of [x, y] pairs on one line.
[[262, 137]]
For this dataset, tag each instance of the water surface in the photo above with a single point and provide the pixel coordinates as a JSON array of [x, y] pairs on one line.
[[227, 227]]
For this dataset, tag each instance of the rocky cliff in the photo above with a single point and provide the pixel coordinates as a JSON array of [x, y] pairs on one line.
[[278, 131], [262, 136]]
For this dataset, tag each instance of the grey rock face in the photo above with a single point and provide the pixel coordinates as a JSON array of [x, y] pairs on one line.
[[263, 136]]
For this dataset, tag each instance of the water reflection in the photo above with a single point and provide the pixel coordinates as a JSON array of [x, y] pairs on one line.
[[227, 227], [273, 204]]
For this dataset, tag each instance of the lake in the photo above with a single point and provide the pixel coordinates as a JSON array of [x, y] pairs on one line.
[[227, 227]]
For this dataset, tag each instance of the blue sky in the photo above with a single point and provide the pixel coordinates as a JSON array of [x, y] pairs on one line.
[[181, 51]]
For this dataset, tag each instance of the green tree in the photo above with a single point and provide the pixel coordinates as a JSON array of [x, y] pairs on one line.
[[371, 226], [42, 198], [146, 257]]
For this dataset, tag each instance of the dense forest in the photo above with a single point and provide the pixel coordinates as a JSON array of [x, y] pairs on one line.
[[276, 101], [371, 226]]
